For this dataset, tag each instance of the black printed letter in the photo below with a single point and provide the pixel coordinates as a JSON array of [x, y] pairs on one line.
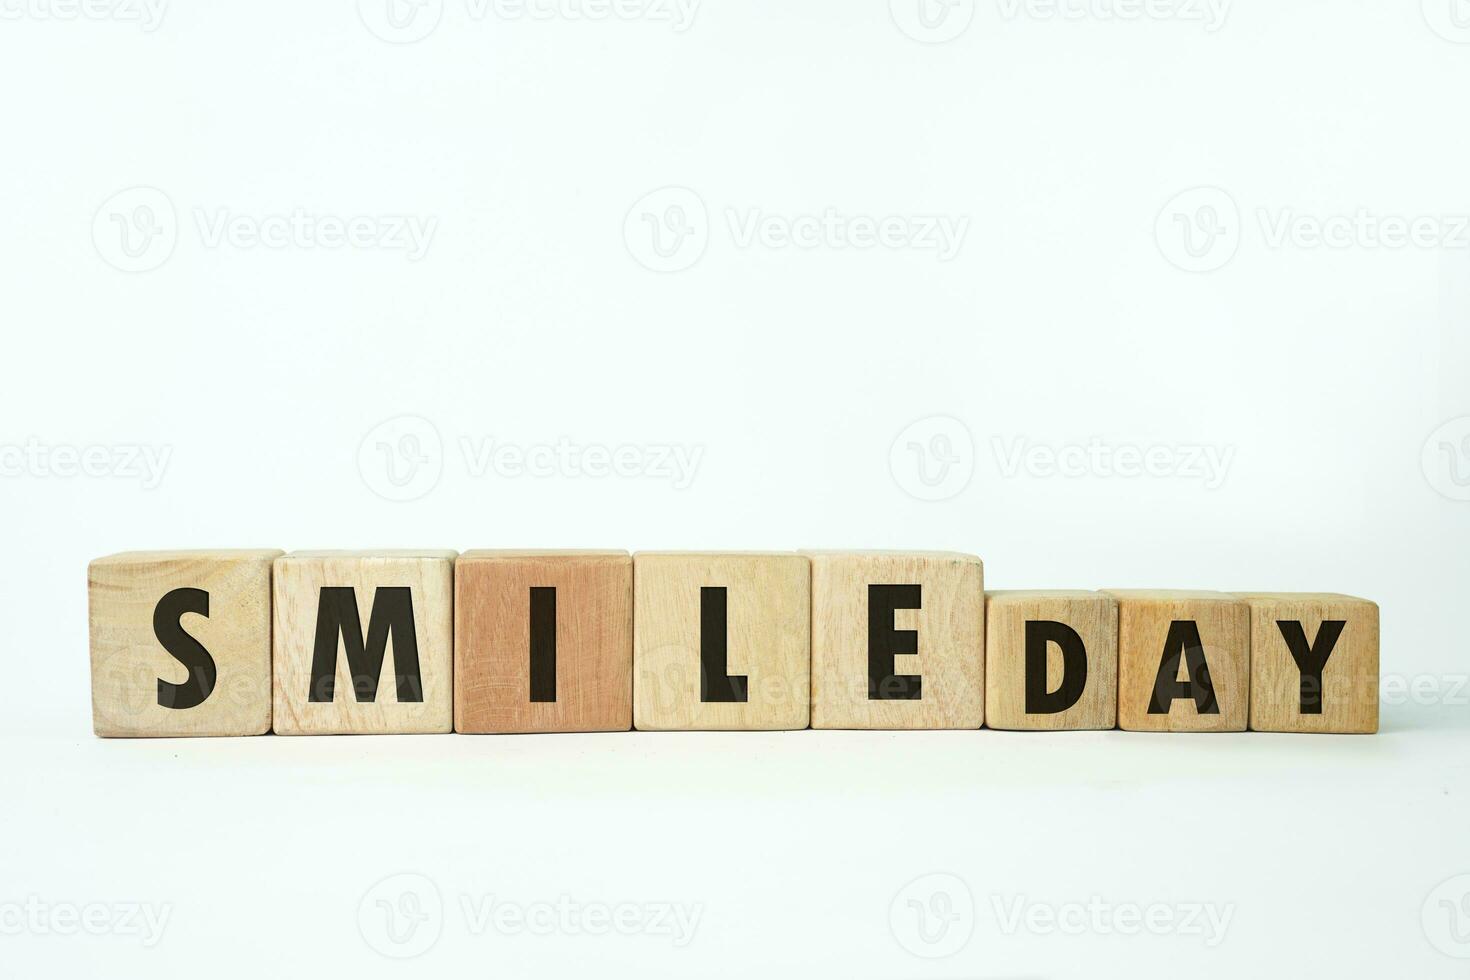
[[716, 686], [184, 648], [336, 614], [1311, 657], [885, 643], [543, 643], [1183, 642], [1040, 632]]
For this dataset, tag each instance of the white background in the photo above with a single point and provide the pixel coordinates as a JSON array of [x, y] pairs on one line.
[[1183, 230]]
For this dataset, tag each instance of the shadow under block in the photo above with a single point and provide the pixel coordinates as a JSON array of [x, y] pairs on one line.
[[543, 641], [1183, 661], [1314, 663], [721, 642], [364, 642], [181, 643], [1051, 660], [898, 640]]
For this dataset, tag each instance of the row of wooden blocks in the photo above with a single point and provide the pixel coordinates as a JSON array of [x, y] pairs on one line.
[[320, 642]]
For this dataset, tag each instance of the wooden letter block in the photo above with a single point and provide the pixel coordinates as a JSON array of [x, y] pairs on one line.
[[898, 640], [181, 643], [721, 641], [1183, 661], [1314, 663], [364, 642], [1051, 660], [543, 641]]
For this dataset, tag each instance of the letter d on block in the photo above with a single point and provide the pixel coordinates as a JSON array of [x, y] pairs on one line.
[[1051, 660]]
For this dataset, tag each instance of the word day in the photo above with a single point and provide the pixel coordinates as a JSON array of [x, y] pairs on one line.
[[246, 642]]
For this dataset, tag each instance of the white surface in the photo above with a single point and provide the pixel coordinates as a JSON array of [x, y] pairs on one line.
[[1328, 382]]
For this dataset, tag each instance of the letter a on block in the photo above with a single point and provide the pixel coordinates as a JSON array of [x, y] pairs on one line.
[[363, 642], [1183, 661]]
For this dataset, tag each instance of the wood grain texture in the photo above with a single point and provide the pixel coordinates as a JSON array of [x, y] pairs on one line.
[[1144, 620], [949, 628], [1093, 615], [768, 637], [1348, 694], [593, 636], [129, 660], [298, 582]]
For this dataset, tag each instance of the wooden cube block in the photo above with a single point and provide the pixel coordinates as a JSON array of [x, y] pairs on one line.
[[1183, 661], [364, 642], [1051, 660], [898, 640], [1314, 662], [721, 641], [181, 642], [543, 641]]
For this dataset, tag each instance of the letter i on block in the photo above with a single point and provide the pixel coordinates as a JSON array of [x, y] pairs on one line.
[[543, 641], [898, 640], [364, 642], [181, 642], [1051, 660], [721, 641], [1314, 663], [1183, 661]]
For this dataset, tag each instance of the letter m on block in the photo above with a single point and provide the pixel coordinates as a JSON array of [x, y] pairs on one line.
[[392, 615]]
